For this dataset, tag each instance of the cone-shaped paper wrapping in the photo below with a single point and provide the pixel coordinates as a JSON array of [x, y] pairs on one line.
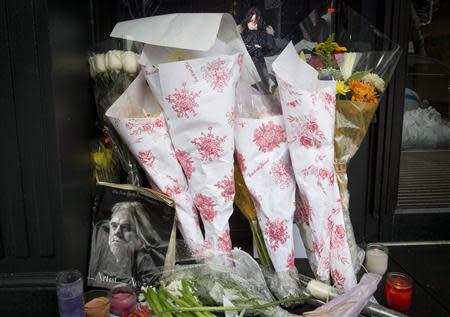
[[137, 118], [309, 113], [198, 100], [263, 157]]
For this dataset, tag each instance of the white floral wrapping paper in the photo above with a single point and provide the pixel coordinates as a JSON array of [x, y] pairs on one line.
[[198, 98], [309, 115], [263, 158], [138, 119]]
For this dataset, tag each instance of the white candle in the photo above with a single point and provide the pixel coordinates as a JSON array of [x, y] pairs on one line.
[[321, 290], [376, 259]]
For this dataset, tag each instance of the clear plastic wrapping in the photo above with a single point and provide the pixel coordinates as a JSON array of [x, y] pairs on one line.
[[361, 60]]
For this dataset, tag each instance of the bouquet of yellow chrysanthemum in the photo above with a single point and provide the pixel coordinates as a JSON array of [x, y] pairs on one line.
[[361, 60]]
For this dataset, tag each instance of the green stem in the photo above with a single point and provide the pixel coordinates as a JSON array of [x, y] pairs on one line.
[[153, 300], [239, 308], [260, 245]]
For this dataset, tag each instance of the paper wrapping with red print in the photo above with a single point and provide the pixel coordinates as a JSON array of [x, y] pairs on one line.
[[138, 119], [263, 157], [198, 100], [309, 113]]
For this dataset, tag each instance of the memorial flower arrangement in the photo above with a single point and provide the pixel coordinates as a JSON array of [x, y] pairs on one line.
[[181, 120], [359, 60], [112, 73]]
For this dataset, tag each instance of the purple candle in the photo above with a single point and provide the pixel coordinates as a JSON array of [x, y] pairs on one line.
[[123, 300], [69, 289]]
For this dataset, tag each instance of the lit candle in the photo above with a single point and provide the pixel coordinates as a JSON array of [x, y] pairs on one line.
[[376, 258], [123, 300], [398, 291], [97, 303]]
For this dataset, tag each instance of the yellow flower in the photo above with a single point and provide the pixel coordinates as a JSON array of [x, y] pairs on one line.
[[302, 56], [341, 88], [340, 49]]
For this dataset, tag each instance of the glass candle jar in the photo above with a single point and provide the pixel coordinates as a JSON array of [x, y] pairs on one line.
[[69, 290], [123, 299], [97, 303], [398, 291], [376, 258]]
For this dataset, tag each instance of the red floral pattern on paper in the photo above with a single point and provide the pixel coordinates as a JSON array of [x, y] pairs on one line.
[[329, 98], [282, 173], [173, 190], [338, 278], [291, 261], [339, 232], [241, 161], [186, 162], [307, 131], [231, 117], [325, 98], [326, 263], [303, 212], [290, 89], [205, 206], [227, 187], [202, 250], [139, 127], [146, 157], [183, 101], [209, 146], [294, 103], [338, 236], [224, 241], [115, 122], [269, 136], [318, 247], [322, 175], [217, 73], [276, 232], [342, 259]]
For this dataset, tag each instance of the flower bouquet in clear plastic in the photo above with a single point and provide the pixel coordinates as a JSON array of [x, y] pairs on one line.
[[207, 289], [361, 60], [113, 65]]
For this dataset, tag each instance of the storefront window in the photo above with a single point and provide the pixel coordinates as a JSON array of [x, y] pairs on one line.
[[424, 182]]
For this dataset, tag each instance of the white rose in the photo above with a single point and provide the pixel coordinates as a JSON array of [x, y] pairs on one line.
[[113, 60], [130, 62], [350, 59], [92, 71], [99, 63]]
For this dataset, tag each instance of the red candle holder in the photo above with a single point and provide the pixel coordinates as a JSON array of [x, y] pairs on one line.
[[123, 299], [398, 291]]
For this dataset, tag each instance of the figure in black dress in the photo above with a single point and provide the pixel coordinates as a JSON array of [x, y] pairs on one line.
[[258, 40]]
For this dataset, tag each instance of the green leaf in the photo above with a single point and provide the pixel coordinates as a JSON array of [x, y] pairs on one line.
[[358, 75]]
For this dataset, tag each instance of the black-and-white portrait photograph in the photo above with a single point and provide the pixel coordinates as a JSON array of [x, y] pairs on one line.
[[130, 236]]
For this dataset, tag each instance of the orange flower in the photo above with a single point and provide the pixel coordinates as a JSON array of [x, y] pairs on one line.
[[363, 92]]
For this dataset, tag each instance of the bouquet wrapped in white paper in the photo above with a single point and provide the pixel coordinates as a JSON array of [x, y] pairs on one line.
[[198, 97], [138, 119], [309, 114], [263, 157]]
